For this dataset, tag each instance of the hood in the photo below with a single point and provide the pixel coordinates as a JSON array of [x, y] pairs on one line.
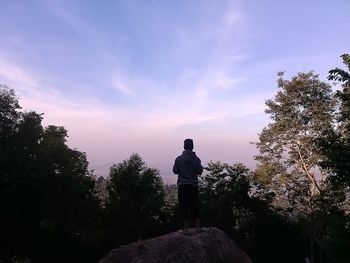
[[188, 156]]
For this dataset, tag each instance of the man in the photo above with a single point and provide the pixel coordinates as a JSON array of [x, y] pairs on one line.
[[188, 167]]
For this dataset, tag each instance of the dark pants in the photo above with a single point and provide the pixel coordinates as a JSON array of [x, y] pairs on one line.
[[188, 201]]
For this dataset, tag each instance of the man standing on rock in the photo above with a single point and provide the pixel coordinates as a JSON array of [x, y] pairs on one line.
[[188, 166]]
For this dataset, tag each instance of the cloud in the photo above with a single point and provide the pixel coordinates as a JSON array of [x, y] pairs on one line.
[[202, 96], [215, 41], [67, 12], [122, 86], [14, 75], [189, 100]]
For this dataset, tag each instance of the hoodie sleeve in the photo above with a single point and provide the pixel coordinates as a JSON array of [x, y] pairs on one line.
[[176, 167], [200, 167]]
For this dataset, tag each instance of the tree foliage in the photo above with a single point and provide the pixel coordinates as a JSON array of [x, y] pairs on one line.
[[295, 204], [46, 190], [301, 112], [337, 145], [228, 202], [136, 197], [292, 157], [225, 188]]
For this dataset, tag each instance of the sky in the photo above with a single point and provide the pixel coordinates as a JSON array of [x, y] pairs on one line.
[[133, 76]]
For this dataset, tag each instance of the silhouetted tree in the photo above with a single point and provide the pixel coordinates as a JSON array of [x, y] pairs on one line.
[[47, 198], [337, 145], [170, 216], [136, 197], [224, 195], [228, 202], [291, 157]]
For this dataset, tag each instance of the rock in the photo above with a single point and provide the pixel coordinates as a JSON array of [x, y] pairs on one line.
[[211, 245]]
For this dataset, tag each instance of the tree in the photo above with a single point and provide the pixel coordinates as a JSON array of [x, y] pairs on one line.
[[337, 145], [342, 75], [47, 195], [290, 156], [9, 111], [224, 195], [136, 197], [301, 112], [228, 202]]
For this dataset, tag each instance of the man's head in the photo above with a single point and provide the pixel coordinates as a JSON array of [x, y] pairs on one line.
[[188, 144]]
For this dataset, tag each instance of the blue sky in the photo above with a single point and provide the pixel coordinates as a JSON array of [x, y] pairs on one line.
[[141, 76]]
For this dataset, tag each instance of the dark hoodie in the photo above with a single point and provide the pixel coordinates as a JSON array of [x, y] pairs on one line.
[[188, 167]]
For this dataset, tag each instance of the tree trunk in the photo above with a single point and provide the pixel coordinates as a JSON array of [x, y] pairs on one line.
[[312, 244], [314, 187]]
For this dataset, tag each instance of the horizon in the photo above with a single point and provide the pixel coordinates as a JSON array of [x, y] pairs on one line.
[[136, 77]]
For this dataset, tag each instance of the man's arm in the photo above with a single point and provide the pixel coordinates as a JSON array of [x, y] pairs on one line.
[[176, 167], [200, 167]]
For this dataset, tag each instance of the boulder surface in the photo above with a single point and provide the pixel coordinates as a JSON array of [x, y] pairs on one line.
[[210, 245]]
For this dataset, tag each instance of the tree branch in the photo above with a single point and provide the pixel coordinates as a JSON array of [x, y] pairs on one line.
[[315, 189]]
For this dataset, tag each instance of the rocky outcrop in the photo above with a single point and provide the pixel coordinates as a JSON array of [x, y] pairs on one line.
[[210, 245]]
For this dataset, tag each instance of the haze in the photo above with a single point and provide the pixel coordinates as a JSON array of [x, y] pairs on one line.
[[141, 76]]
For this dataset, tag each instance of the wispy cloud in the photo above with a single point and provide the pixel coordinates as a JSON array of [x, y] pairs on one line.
[[14, 75], [219, 44], [122, 86], [160, 113], [197, 98], [67, 12]]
